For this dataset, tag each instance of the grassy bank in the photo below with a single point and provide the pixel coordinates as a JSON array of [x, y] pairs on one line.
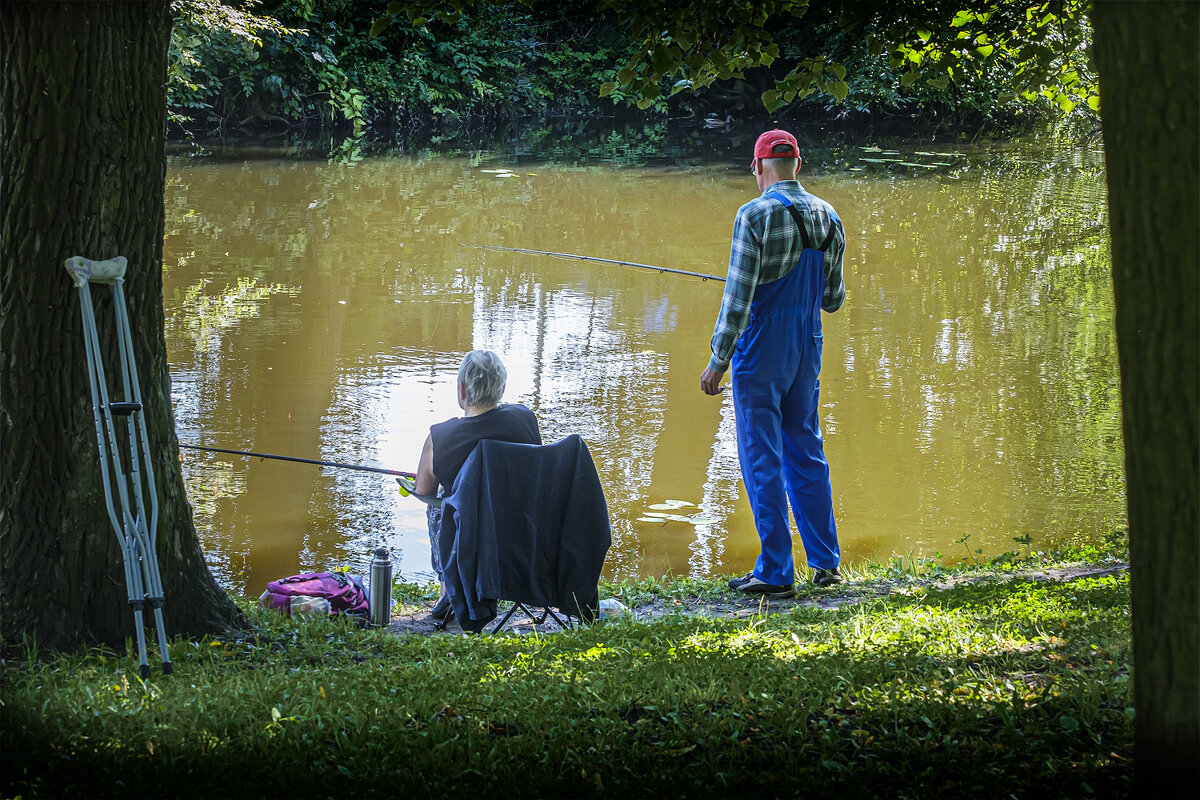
[[1001, 685]]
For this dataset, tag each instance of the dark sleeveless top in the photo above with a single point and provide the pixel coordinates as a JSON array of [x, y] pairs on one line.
[[454, 439]]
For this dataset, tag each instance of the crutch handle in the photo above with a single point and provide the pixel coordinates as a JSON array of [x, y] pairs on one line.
[[84, 269]]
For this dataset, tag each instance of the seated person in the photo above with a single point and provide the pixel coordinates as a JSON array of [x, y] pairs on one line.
[[481, 381]]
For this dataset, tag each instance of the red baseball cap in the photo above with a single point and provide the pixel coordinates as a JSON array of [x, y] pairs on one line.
[[766, 144]]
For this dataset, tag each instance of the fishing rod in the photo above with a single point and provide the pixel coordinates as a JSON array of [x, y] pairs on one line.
[[702, 276], [300, 460]]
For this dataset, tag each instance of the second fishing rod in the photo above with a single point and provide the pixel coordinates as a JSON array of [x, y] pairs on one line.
[[574, 257], [409, 475]]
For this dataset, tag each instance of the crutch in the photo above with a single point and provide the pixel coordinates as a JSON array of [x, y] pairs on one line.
[[137, 533]]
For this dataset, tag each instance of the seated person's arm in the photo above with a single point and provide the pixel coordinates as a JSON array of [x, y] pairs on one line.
[[427, 482]]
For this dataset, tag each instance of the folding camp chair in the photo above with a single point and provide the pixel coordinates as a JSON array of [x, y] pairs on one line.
[[526, 524], [136, 531]]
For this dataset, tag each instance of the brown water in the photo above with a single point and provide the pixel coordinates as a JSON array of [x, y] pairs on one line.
[[970, 387]]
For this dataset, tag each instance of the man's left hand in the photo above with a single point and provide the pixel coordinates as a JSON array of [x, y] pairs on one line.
[[710, 382]]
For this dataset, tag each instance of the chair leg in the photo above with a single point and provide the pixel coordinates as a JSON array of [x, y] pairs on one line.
[[508, 616], [564, 621], [562, 624]]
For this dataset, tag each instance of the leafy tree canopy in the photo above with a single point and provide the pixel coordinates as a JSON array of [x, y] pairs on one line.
[[1041, 48], [411, 61]]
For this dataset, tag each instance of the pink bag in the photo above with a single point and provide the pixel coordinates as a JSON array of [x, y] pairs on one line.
[[344, 593]]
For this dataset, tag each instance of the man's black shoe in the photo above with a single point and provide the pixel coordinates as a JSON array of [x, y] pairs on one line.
[[738, 583], [755, 586], [827, 577]]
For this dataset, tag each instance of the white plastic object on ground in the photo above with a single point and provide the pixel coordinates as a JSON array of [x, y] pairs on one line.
[[611, 608]]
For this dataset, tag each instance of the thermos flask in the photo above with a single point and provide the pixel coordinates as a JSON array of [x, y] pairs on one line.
[[381, 587]]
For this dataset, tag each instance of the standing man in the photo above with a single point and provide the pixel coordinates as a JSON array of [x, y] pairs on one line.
[[785, 266]]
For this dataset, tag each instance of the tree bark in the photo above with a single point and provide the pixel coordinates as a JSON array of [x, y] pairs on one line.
[[82, 172], [1150, 93]]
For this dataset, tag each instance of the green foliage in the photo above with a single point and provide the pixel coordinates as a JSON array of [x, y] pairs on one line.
[[413, 597], [674, 590], [242, 68], [1038, 52], [983, 690], [207, 37], [345, 65], [971, 554], [333, 63], [699, 43]]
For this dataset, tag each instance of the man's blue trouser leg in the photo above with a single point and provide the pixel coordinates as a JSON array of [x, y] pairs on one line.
[[805, 468], [760, 451], [776, 402]]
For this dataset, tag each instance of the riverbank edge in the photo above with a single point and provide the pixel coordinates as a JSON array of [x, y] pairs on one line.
[[651, 599]]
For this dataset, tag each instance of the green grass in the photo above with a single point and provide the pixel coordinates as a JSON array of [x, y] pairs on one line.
[[989, 689]]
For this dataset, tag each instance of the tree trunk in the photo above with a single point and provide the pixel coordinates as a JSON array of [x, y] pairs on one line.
[[1150, 90], [82, 171]]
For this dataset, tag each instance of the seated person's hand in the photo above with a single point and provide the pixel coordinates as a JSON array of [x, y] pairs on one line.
[[408, 488]]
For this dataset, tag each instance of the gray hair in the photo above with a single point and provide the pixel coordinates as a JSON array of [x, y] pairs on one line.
[[484, 376], [782, 165]]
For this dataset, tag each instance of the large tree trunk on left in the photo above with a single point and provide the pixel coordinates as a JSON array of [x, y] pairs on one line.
[[82, 170]]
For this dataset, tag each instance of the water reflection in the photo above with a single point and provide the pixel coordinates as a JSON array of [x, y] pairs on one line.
[[970, 382]]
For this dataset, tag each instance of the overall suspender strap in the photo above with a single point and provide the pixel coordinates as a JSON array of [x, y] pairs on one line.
[[824, 248], [804, 240]]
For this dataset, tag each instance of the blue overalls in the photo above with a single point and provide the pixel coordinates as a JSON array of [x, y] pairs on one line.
[[775, 370]]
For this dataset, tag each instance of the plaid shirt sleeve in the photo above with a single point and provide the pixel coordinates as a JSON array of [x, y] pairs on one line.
[[744, 264], [835, 283]]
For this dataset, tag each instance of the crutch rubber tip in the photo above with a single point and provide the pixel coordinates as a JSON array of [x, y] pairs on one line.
[[144, 671], [168, 668]]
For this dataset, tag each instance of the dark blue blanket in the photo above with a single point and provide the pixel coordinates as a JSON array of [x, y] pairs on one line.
[[526, 523]]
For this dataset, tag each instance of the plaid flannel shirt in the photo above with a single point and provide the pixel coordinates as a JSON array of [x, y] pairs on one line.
[[766, 246]]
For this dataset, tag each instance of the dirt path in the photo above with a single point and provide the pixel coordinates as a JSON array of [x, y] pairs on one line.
[[849, 593]]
